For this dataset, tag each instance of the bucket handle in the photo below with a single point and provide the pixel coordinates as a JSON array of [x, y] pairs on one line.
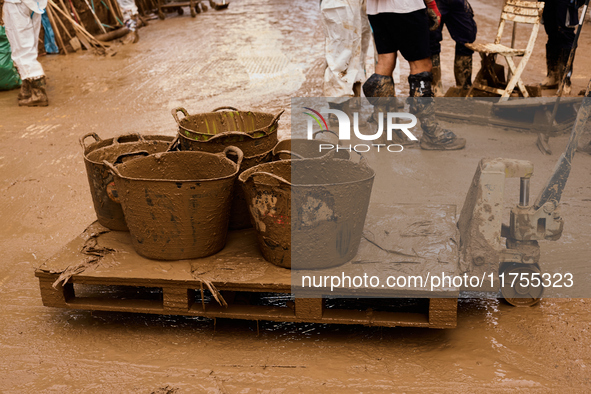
[[228, 134], [237, 152], [228, 108], [137, 135], [85, 136], [290, 153], [174, 145], [120, 158], [325, 131], [175, 112], [112, 168], [270, 175], [276, 117]]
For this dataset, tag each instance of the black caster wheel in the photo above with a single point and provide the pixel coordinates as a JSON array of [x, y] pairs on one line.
[[180, 11], [527, 286]]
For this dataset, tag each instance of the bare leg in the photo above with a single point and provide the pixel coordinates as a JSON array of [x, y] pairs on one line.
[[386, 64], [419, 66]]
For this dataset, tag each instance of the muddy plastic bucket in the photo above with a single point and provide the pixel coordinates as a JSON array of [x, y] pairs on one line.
[[255, 133], [308, 212], [108, 212], [177, 204], [251, 132], [239, 216]]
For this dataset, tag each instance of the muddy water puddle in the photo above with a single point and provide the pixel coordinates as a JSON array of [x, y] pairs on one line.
[[495, 346]]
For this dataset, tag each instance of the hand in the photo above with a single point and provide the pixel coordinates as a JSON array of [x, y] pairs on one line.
[[434, 14]]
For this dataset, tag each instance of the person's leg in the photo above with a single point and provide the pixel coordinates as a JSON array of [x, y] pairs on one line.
[[416, 51], [379, 87], [130, 18], [386, 64], [344, 51], [552, 45], [435, 38], [420, 66], [460, 23], [342, 48], [565, 39], [366, 41], [22, 30]]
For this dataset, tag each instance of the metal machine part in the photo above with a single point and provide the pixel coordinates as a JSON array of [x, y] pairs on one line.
[[480, 224]]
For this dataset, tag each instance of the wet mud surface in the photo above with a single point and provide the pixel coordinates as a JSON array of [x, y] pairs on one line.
[[256, 55]]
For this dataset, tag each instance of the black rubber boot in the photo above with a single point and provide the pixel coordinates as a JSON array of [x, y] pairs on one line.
[[422, 105], [553, 74], [463, 71]]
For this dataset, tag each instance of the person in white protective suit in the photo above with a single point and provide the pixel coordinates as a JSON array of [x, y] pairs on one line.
[[348, 35], [130, 17], [22, 20]]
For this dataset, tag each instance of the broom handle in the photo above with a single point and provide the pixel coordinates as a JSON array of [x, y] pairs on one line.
[[62, 24]]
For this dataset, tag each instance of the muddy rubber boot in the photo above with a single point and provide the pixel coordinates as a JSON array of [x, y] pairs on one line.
[[38, 96], [132, 24], [563, 55], [25, 90], [381, 93], [552, 76], [463, 71], [374, 88], [422, 105], [436, 71], [379, 90]]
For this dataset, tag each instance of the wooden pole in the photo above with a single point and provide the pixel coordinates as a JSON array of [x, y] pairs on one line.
[[115, 5], [79, 28], [56, 30], [112, 11], [96, 17], [76, 16], [63, 26]]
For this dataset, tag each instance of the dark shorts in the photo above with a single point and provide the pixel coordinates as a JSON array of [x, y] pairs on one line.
[[407, 33]]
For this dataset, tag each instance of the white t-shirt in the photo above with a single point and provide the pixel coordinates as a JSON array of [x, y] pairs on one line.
[[397, 6]]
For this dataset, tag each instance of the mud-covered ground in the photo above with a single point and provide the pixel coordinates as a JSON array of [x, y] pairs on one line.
[[257, 55]]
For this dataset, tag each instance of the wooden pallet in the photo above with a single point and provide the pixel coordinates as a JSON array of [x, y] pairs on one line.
[[105, 274]]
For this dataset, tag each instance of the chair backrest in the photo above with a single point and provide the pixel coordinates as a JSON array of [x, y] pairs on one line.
[[518, 11]]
